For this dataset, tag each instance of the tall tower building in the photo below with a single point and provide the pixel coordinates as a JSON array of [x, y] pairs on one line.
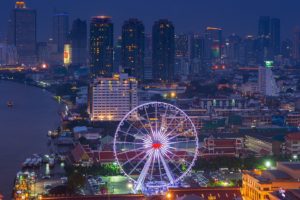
[[213, 44], [101, 45], [78, 39], [163, 50], [22, 33], [296, 42], [60, 30], [133, 47], [268, 38], [275, 35]]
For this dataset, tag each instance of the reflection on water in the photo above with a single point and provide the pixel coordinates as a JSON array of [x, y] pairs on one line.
[[23, 127]]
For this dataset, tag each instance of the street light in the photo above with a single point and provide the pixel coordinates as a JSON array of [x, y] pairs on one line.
[[268, 164], [295, 157]]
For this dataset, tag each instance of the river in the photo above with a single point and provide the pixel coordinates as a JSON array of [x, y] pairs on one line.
[[23, 128]]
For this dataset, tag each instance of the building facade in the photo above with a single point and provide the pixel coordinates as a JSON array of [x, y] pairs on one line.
[[101, 45], [112, 98], [22, 33], [78, 40], [163, 50], [133, 47]]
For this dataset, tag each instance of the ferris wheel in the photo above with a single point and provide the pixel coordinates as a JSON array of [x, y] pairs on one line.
[[155, 145]]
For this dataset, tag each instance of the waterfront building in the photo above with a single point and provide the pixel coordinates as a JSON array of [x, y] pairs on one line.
[[163, 50], [112, 98], [8, 55], [101, 46], [133, 47], [257, 185], [78, 40], [22, 33]]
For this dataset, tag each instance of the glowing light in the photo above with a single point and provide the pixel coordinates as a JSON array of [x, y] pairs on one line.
[[268, 164], [156, 145], [169, 195]]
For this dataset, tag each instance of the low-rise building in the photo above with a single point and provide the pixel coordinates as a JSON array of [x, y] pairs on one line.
[[259, 145], [292, 144], [216, 147], [257, 185], [293, 119]]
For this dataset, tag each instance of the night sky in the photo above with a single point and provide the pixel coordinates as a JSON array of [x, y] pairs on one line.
[[234, 16]]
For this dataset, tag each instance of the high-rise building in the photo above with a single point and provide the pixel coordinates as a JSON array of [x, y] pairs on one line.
[[275, 35], [112, 98], [213, 44], [22, 32], [268, 38], [118, 55], [147, 73], [182, 45], [133, 47], [163, 50], [8, 55], [60, 30], [296, 41], [78, 40], [266, 82], [101, 45]]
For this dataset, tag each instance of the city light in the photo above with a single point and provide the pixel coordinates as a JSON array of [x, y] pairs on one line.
[[268, 164]]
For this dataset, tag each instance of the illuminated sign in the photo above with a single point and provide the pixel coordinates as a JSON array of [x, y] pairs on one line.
[[67, 54], [269, 63]]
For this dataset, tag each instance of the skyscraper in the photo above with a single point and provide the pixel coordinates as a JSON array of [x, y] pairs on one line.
[[101, 45], [213, 44], [22, 32], [163, 50], [296, 41], [60, 30], [133, 47], [275, 35], [78, 37], [268, 38]]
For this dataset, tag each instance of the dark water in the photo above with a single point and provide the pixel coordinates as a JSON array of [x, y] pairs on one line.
[[23, 128]]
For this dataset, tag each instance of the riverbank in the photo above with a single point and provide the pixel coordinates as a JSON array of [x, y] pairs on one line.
[[24, 127]]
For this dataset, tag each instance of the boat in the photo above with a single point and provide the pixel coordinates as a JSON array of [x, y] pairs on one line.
[[10, 104]]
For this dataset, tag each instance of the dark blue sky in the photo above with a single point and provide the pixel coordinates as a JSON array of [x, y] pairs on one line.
[[239, 16]]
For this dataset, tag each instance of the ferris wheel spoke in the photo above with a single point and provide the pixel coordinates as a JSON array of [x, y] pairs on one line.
[[143, 174], [174, 155], [121, 142], [178, 142], [127, 133], [178, 134], [177, 126], [131, 150], [148, 119], [144, 126], [172, 161], [168, 124], [153, 162], [185, 150], [131, 159], [166, 167], [147, 154]]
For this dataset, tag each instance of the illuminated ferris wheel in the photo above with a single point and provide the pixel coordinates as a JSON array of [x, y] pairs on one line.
[[155, 145]]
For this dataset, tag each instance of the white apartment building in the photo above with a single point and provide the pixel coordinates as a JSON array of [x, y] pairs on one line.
[[112, 98], [266, 82]]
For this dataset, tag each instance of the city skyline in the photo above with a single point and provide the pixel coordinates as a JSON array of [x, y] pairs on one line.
[[196, 16]]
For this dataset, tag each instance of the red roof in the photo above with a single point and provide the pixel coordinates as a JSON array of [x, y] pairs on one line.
[[207, 193], [293, 136], [78, 152]]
